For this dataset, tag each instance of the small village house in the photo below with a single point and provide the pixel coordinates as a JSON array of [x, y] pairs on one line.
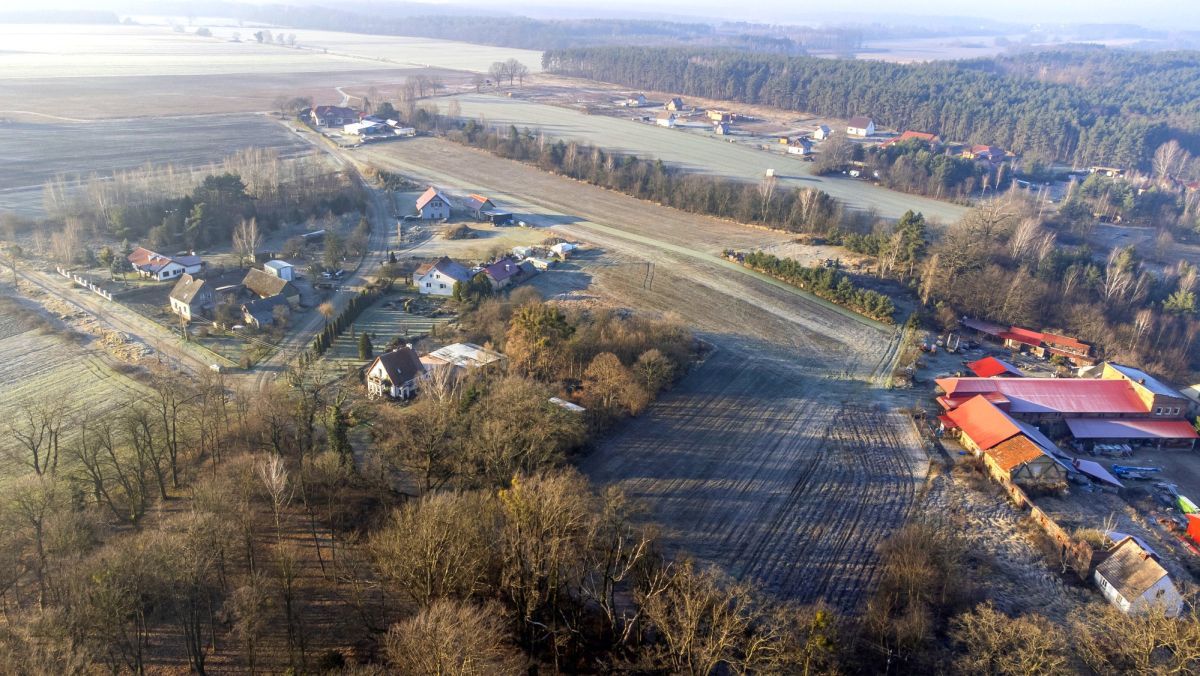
[[503, 273], [861, 125], [801, 146], [395, 374], [156, 266], [438, 278], [263, 312], [675, 104], [266, 285], [634, 101], [1133, 581], [986, 153], [822, 132], [281, 269], [483, 209], [332, 116], [432, 205], [665, 119], [192, 297]]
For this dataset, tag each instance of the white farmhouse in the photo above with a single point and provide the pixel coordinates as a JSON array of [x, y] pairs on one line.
[[822, 132], [1134, 582], [191, 297], [157, 266], [861, 125], [395, 374], [433, 205], [438, 278], [665, 119]]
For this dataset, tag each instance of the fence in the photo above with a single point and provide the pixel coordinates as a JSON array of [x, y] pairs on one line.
[[1075, 553], [85, 283]]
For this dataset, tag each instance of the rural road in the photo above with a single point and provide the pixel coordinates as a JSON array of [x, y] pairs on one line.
[[778, 459]]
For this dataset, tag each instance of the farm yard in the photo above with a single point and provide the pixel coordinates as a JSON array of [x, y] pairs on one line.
[[698, 152]]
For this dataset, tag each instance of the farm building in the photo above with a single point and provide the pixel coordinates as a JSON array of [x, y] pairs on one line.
[[675, 104], [990, 367], [634, 101], [438, 278], [563, 249], [159, 267], [981, 329], [1157, 433], [483, 209], [1014, 452], [461, 357], [983, 152], [931, 140], [266, 285], [1133, 581], [1110, 172], [721, 128], [366, 128], [982, 425], [822, 132], [1155, 394], [1045, 399], [665, 119], [432, 205], [332, 116], [860, 125], [801, 146], [265, 311], [719, 115], [191, 297], [1020, 461], [281, 269], [395, 374]]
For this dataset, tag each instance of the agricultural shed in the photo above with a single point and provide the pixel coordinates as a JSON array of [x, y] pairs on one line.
[[1047, 398], [1133, 430], [983, 425], [265, 285], [1133, 581], [981, 327], [990, 367], [1019, 460], [1096, 471]]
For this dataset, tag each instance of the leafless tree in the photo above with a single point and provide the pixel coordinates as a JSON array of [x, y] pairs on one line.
[[37, 426], [247, 240], [993, 643], [454, 638], [1168, 159]]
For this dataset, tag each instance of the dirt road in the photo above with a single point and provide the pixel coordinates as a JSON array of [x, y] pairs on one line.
[[771, 459]]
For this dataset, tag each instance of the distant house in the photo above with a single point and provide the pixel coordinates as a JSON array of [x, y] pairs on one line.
[[503, 273], [719, 115], [366, 128], [985, 152], [191, 297], [931, 140], [1111, 172], [148, 263], [721, 128], [675, 104], [563, 249], [280, 269], [395, 374], [433, 205], [822, 132], [483, 209], [634, 101], [438, 278], [266, 285], [264, 311], [665, 119], [861, 125], [801, 146], [1133, 581], [333, 116]]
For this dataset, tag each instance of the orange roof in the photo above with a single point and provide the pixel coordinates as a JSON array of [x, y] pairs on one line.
[[426, 196], [1065, 341], [985, 424], [1014, 452], [918, 135]]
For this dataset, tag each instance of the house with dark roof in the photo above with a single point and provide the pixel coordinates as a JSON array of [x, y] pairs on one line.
[[265, 285], [438, 278], [191, 297], [432, 205], [503, 273], [262, 312], [395, 374], [860, 125], [151, 264], [822, 132], [333, 116], [1135, 582], [675, 104]]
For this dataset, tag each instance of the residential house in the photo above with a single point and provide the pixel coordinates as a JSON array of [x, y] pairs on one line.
[[281, 269], [1133, 581], [265, 311], [861, 125], [395, 374], [801, 146], [148, 263], [432, 205], [665, 119], [675, 104], [366, 128], [191, 297], [503, 273], [478, 205], [634, 101], [333, 116], [265, 285], [822, 132], [438, 278], [985, 152]]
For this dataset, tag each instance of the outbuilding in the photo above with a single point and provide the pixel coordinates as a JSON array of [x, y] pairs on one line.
[[1133, 581], [281, 269], [861, 125]]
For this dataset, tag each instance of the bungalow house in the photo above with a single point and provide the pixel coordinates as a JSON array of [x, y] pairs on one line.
[[148, 263], [861, 125], [503, 273], [1133, 581], [395, 374], [191, 297], [265, 311], [333, 116], [438, 278], [822, 132], [266, 285], [432, 205], [675, 104], [665, 119]]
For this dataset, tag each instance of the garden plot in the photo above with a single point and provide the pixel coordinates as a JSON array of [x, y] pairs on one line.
[[385, 321]]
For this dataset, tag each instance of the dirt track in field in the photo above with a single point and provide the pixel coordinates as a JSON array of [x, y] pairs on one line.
[[777, 459]]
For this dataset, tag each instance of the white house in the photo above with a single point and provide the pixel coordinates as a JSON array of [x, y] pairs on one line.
[[191, 297], [634, 101], [822, 133], [438, 278], [281, 269], [157, 266], [395, 374], [333, 116], [665, 119], [563, 249], [861, 125], [1134, 582], [433, 205]]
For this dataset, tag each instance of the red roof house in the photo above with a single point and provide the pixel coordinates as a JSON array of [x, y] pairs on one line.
[[990, 367]]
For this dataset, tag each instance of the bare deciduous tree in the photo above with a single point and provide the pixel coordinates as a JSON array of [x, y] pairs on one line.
[[247, 240], [454, 638]]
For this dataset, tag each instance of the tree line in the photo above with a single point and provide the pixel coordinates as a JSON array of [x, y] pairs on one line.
[[824, 282], [1130, 103]]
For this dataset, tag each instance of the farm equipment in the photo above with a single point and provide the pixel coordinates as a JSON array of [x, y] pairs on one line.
[[1129, 468], [1186, 506]]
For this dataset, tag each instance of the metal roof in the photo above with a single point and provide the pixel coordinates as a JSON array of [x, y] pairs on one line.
[[1099, 428], [982, 326], [990, 367], [985, 424], [1096, 471], [466, 354], [277, 265], [1145, 380], [1048, 395]]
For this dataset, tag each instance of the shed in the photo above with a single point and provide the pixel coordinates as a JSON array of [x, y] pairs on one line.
[[990, 367], [860, 125], [1133, 581], [281, 269]]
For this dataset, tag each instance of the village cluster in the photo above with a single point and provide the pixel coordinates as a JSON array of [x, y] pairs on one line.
[[1041, 437], [357, 124]]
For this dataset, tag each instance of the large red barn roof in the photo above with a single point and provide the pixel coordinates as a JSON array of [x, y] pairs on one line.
[[1046, 395]]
